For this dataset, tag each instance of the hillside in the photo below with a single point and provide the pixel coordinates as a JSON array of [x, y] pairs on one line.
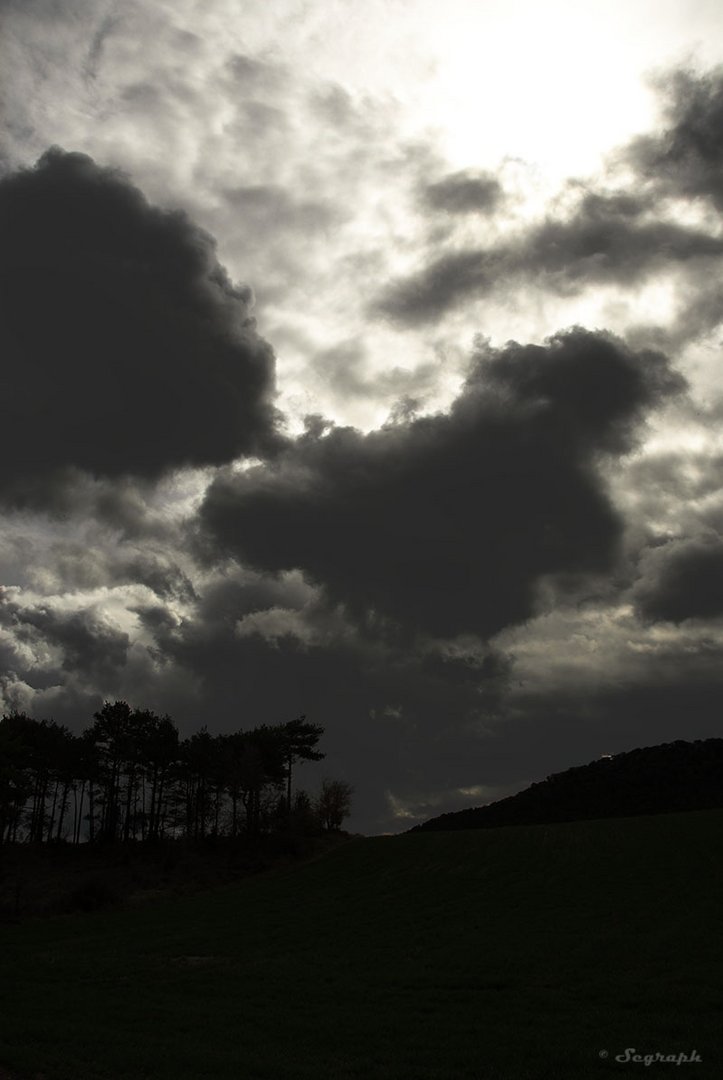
[[652, 780], [538, 953]]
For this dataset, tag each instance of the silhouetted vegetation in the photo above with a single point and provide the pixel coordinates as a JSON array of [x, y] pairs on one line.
[[334, 803], [652, 780], [130, 778]]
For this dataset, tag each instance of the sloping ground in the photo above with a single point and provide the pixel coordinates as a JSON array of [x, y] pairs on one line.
[[518, 952], [650, 780], [57, 879]]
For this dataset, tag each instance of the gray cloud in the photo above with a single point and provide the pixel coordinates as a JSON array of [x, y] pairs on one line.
[[267, 208], [89, 644], [345, 368], [72, 565], [463, 192], [446, 281], [445, 524], [608, 239], [674, 494], [686, 158], [127, 350]]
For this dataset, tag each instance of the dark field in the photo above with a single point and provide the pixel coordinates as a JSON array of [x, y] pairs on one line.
[[501, 953]]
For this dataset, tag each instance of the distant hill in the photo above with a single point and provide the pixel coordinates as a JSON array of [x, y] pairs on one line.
[[652, 780]]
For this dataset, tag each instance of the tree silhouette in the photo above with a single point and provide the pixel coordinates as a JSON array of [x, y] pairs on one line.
[[112, 736], [300, 738], [161, 753], [334, 803], [129, 778]]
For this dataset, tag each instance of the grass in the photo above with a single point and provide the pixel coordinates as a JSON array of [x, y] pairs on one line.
[[498, 954], [58, 879]]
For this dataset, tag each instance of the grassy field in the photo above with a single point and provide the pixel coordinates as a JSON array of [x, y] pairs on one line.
[[504, 953]]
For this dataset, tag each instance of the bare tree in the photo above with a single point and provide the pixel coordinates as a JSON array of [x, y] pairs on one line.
[[334, 803]]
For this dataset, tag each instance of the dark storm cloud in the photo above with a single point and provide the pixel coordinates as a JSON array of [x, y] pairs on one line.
[[126, 349], [446, 524], [610, 238], [682, 580], [686, 158], [463, 193]]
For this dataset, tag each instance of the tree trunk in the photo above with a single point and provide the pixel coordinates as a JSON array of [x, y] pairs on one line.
[[52, 813], [79, 813], [91, 813], [159, 810], [129, 798], [63, 805], [152, 813]]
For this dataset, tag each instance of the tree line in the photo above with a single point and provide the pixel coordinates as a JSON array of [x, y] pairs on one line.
[[130, 777]]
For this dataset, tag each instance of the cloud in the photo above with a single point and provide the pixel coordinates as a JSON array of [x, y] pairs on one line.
[[83, 642], [446, 524], [610, 238], [440, 286], [682, 580], [686, 158], [464, 192], [520, 500], [671, 494], [347, 369], [127, 350], [270, 206], [53, 565]]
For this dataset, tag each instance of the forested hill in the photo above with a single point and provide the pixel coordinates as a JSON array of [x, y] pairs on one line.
[[652, 780]]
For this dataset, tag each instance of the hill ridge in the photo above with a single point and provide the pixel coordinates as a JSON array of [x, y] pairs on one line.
[[668, 777]]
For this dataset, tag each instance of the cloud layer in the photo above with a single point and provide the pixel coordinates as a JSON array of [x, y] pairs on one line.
[[479, 563]]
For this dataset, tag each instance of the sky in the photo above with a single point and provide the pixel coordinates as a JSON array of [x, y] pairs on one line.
[[362, 362]]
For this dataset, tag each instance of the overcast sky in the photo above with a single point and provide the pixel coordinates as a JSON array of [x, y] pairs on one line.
[[363, 361]]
